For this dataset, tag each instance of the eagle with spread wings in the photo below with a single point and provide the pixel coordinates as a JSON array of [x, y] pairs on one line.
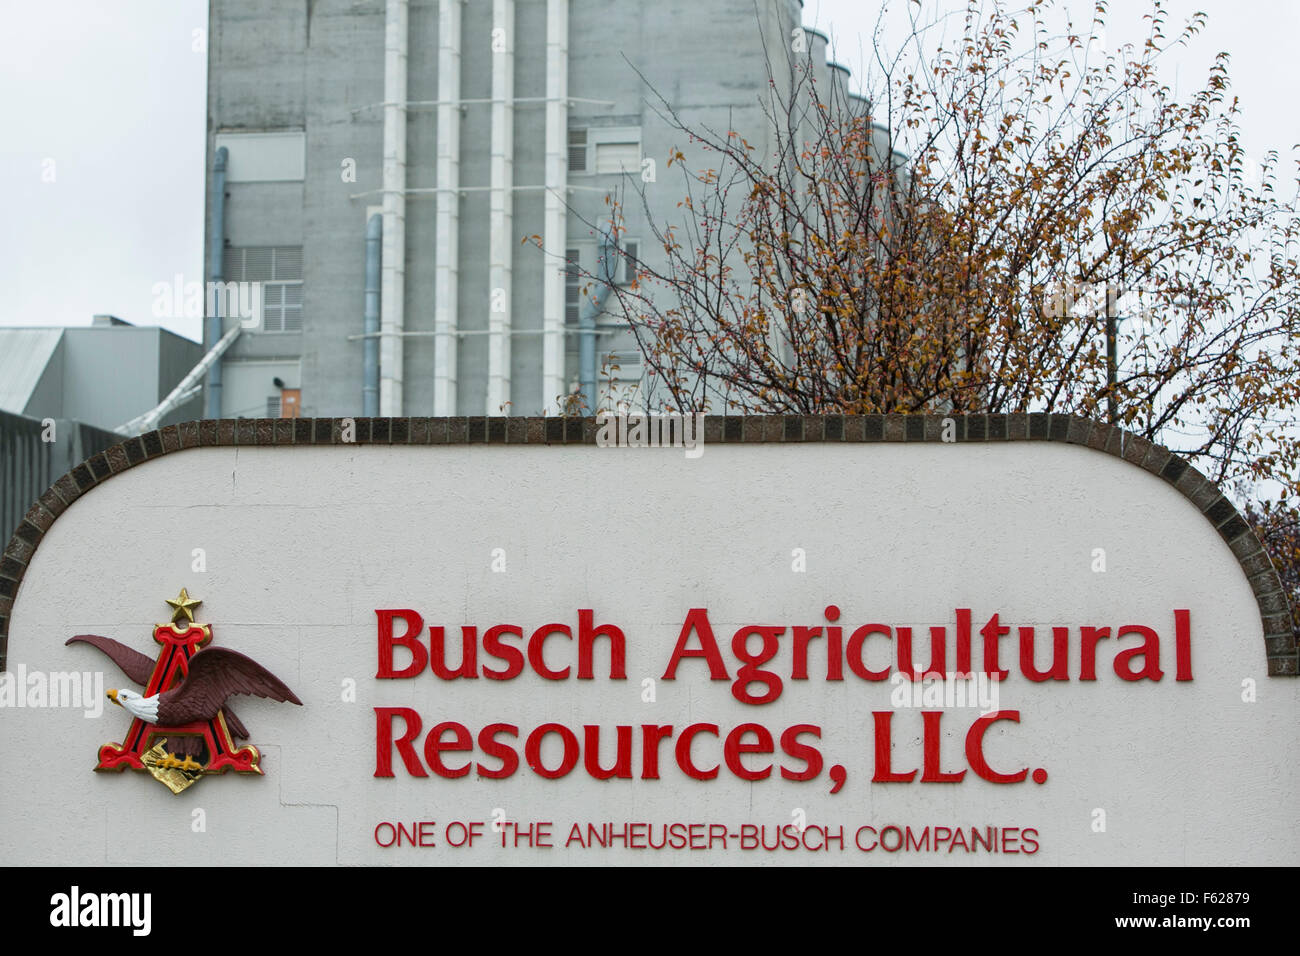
[[215, 674]]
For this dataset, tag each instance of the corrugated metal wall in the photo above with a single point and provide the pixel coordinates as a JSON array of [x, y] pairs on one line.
[[30, 463]]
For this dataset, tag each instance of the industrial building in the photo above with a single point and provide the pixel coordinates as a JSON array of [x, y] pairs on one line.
[[67, 393], [377, 166], [104, 374]]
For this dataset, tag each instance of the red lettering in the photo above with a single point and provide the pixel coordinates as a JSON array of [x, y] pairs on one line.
[[963, 641], [857, 838], [410, 640], [1149, 652], [622, 758], [992, 632], [931, 759], [651, 736], [975, 748], [802, 635], [468, 653], [434, 745], [811, 756], [735, 747], [854, 653], [697, 621], [883, 751], [487, 741], [1060, 655], [1009, 839], [1182, 646], [749, 672], [683, 751], [586, 640], [384, 742], [533, 751], [1030, 842], [535, 656], [938, 652], [513, 657], [425, 833], [1088, 637]]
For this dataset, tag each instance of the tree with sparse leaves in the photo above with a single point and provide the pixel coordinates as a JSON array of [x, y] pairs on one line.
[[1018, 221]]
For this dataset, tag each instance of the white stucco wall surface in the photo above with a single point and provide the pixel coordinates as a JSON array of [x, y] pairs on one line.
[[300, 546]]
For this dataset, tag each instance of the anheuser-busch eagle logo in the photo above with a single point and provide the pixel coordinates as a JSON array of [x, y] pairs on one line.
[[182, 727]]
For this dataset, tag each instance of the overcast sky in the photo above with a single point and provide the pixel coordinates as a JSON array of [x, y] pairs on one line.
[[102, 158]]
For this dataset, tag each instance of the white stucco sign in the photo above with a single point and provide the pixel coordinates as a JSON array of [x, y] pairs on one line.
[[847, 652]]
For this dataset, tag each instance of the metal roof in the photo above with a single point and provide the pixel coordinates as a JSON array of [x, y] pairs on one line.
[[24, 355]]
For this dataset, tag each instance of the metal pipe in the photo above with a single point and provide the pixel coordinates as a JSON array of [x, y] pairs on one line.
[[393, 270], [420, 191], [447, 211], [501, 207], [184, 389], [462, 333], [555, 223], [370, 344], [479, 100], [216, 273], [592, 307]]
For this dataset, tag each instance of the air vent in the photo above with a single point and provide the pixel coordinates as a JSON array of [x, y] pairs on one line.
[[279, 270], [577, 150], [571, 286]]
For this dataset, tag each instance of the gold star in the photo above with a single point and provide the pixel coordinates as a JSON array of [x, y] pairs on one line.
[[183, 604]]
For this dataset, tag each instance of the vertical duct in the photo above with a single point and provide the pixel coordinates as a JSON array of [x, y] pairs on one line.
[[501, 215], [605, 270], [393, 294], [554, 231], [216, 273], [447, 212], [370, 344]]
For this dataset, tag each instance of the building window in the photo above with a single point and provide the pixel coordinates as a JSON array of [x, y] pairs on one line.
[[581, 268], [264, 157], [282, 306], [610, 150], [618, 157], [273, 406], [279, 270], [631, 255]]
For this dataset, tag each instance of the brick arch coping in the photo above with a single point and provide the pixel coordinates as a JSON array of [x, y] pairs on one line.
[[1280, 647]]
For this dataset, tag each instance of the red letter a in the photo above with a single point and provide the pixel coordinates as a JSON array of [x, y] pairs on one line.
[[698, 620]]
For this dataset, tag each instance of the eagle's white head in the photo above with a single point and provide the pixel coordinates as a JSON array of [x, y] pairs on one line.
[[146, 708]]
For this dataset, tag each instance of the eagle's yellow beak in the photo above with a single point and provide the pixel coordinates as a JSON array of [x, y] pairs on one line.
[[112, 695]]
